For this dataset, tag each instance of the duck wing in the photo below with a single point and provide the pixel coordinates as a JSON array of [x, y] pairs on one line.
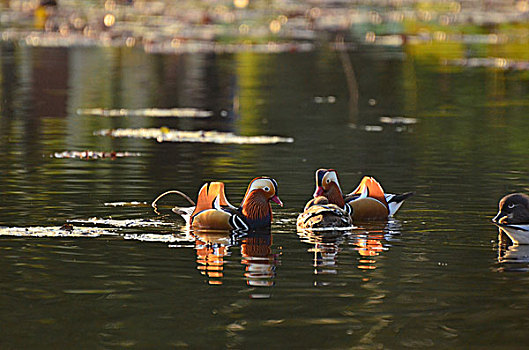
[[212, 219], [214, 211], [323, 216], [210, 196], [368, 187]]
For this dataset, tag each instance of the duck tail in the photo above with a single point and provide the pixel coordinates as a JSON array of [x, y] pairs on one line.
[[184, 212], [395, 201]]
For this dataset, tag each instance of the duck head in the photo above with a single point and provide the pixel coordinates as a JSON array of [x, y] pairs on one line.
[[256, 203], [327, 185], [513, 209]]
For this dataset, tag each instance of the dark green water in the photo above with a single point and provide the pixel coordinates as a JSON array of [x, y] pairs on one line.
[[431, 277]]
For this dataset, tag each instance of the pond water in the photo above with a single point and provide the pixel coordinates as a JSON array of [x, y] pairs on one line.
[[434, 276]]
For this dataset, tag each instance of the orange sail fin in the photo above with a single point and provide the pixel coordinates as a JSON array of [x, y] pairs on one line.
[[207, 196], [373, 189]]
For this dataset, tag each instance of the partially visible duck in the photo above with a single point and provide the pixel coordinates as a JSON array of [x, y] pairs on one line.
[[513, 217], [319, 213], [367, 202], [213, 211]]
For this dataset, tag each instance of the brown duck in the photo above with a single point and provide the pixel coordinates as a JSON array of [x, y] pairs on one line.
[[213, 211], [367, 202]]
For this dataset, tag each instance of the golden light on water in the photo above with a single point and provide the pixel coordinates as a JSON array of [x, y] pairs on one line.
[[522, 6], [241, 3], [500, 62], [275, 26], [175, 43], [424, 16], [370, 37], [315, 12], [109, 20], [439, 36], [130, 42], [64, 29], [244, 29], [375, 17], [78, 23], [455, 7], [444, 20], [397, 16], [110, 5]]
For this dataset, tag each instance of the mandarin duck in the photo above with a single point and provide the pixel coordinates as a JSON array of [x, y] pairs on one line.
[[319, 213], [367, 202], [513, 217], [213, 211]]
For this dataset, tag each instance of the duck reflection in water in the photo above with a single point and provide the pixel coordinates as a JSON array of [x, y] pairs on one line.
[[213, 250], [368, 241], [369, 244], [325, 248], [260, 262], [512, 256]]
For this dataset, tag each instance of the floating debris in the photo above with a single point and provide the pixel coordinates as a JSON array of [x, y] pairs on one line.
[[163, 238], [373, 128], [148, 112], [167, 135], [90, 155], [169, 47], [325, 99], [327, 229], [67, 227], [384, 40], [489, 62], [398, 120], [121, 223], [162, 44], [67, 230], [127, 204]]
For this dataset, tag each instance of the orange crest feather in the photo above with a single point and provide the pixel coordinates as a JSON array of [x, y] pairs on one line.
[[207, 195], [373, 187]]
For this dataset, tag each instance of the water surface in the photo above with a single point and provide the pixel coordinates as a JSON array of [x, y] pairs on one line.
[[434, 276]]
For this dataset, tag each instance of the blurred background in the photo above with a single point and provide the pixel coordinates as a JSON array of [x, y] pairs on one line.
[[190, 26], [97, 96]]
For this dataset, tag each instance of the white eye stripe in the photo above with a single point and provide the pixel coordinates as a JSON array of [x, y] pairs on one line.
[[331, 177], [264, 184]]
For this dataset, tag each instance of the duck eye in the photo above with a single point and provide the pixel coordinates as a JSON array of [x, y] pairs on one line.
[[266, 188], [511, 205], [328, 181]]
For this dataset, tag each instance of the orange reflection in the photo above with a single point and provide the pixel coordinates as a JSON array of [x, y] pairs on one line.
[[210, 259], [367, 241], [370, 247], [212, 250]]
